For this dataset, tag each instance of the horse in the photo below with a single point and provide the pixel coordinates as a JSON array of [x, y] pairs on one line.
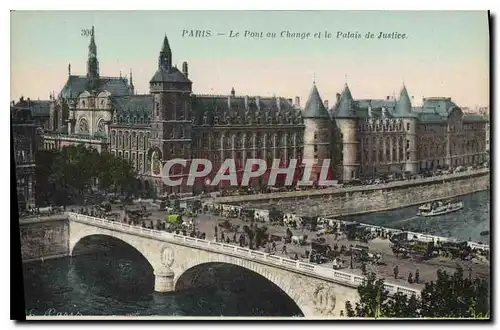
[[299, 240]]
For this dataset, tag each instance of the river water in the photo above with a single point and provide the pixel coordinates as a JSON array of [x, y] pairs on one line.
[[466, 224], [119, 281]]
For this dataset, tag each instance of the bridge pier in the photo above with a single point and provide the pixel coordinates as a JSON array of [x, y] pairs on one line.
[[164, 280]]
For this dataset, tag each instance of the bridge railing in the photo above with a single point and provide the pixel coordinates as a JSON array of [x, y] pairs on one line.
[[235, 250]]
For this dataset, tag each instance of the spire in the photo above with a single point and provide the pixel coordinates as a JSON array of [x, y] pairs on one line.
[[92, 45], [92, 64], [165, 58], [314, 106], [69, 69], [132, 90], [166, 46]]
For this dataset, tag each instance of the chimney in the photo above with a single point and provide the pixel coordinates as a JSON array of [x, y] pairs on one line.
[[297, 101], [185, 69], [370, 111], [337, 97], [278, 103], [388, 98], [257, 102], [246, 102], [232, 92], [326, 104]]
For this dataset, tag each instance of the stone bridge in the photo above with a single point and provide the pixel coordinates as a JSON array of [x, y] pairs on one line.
[[178, 261]]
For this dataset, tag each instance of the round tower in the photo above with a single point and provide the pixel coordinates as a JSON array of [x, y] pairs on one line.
[[403, 109], [317, 133], [346, 122]]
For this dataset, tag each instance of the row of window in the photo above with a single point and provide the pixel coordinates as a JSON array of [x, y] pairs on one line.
[[130, 140], [384, 125]]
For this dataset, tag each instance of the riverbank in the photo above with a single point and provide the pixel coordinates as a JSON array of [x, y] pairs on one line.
[[44, 238], [366, 199]]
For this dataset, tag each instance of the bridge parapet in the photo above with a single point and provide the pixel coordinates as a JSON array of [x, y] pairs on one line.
[[317, 271]]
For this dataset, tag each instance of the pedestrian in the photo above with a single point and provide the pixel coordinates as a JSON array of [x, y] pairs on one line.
[[396, 272], [410, 278], [363, 268], [283, 250], [417, 276]]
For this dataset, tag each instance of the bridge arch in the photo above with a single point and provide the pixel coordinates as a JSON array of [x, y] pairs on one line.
[[150, 250], [82, 242], [191, 268]]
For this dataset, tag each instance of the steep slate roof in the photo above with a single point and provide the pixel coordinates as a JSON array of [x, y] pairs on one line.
[[163, 75], [434, 110], [474, 117], [218, 105], [138, 106], [37, 108], [314, 106], [75, 85], [403, 105], [442, 105], [345, 107]]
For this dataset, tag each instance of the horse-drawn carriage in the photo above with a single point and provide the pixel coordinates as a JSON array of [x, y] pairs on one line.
[[320, 252], [228, 226]]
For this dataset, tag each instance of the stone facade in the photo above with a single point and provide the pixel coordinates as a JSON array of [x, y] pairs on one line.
[[361, 138], [44, 240], [26, 137]]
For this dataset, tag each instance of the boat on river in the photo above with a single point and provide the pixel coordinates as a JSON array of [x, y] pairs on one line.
[[440, 208]]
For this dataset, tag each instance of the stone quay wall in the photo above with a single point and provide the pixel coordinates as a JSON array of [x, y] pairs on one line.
[[44, 238], [358, 200]]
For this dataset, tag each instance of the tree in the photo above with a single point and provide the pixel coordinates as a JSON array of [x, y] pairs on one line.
[[449, 296], [73, 172]]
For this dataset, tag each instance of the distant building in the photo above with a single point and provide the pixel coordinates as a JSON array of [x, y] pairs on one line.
[[392, 136], [363, 137], [26, 134]]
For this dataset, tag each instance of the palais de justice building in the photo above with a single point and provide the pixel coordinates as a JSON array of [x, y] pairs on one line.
[[362, 137]]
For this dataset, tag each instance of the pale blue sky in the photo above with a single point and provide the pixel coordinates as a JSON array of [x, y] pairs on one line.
[[445, 54]]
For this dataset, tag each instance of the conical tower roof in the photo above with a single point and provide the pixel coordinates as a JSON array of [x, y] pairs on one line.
[[403, 105], [344, 107], [314, 106]]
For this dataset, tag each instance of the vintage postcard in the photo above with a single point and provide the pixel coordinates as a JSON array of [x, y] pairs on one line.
[[252, 164]]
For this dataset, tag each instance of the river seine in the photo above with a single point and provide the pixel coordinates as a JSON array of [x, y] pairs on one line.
[[120, 282], [466, 224]]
